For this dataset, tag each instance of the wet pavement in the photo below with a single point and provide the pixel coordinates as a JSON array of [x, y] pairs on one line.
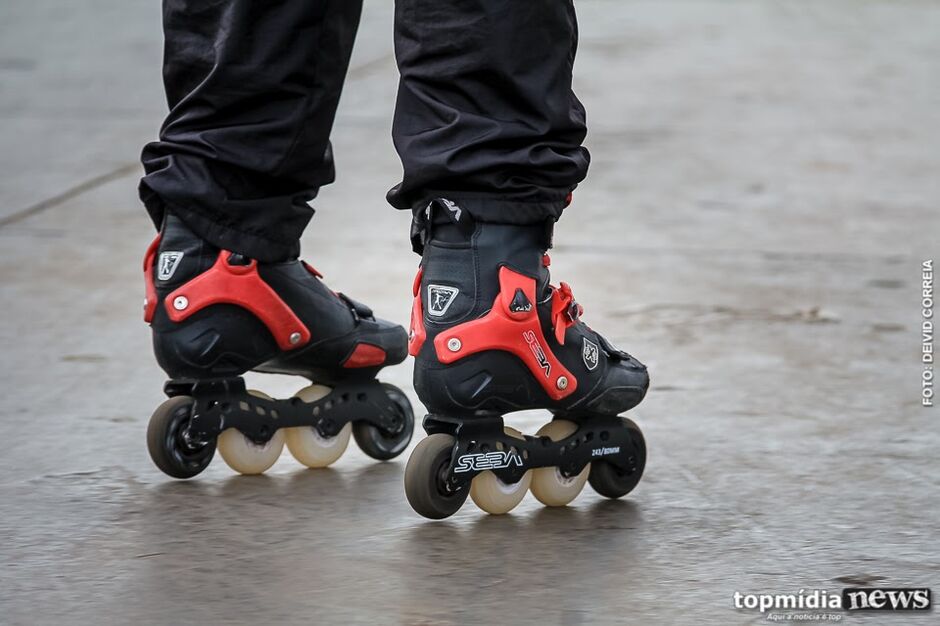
[[763, 191]]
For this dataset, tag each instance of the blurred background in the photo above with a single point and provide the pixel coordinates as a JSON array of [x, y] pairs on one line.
[[763, 191]]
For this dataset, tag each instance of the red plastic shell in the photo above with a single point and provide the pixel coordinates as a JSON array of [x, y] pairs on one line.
[[518, 333], [150, 300], [365, 355], [417, 333], [242, 286], [565, 311]]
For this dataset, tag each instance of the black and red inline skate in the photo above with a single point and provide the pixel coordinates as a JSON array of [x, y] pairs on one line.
[[492, 336], [216, 315]]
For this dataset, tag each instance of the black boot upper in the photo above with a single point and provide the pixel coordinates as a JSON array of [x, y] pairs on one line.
[[345, 339], [459, 284]]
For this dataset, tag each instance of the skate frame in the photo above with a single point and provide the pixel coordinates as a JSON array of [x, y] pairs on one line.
[[222, 403], [482, 444]]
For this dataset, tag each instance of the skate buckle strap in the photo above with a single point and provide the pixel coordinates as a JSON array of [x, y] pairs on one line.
[[359, 310], [242, 286], [150, 301], [565, 311], [514, 329]]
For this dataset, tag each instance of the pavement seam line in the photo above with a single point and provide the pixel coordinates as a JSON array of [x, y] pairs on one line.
[[68, 194]]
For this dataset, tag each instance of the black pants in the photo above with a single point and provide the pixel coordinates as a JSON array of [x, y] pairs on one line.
[[485, 114]]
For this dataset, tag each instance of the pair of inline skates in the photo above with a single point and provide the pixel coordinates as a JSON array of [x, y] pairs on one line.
[[489, 335]]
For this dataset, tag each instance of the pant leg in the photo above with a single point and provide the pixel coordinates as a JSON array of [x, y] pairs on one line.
[[486, 115], [252, 87]]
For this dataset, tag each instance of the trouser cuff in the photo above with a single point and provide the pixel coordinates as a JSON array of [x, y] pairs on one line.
[[215, 230]]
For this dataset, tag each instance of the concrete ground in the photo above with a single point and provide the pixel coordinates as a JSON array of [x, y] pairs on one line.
[[763, 192]]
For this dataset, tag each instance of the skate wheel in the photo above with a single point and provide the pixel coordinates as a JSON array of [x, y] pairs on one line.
[[613, 482], [244, 455], [549, 485], [424, 478], [493, 495], [168, 447], [379, 444], [307, 445]]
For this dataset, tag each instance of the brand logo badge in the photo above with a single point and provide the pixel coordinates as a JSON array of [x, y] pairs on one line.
[[537, 351], [589, 354], [520, 304], [440, 297], [167, 264], [487, 461]]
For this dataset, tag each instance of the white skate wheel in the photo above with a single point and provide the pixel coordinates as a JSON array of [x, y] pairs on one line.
[[493, 495], [549, 486], [244, 455], [307, 445]]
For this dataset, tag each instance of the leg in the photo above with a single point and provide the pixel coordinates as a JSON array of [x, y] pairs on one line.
[[490, 136], [252, 88], [486, 115]]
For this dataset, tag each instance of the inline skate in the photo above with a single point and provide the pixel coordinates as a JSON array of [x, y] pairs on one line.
[[491, 336], [216, 315]]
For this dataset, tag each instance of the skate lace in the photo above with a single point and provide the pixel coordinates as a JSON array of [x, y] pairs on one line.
[[565, 310]]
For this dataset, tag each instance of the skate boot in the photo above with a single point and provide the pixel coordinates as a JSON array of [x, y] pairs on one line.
[[216, 315], [491, 336]]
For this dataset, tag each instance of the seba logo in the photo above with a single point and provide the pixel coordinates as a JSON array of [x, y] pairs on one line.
[[452, 207], [487, 461], [537, 351]]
